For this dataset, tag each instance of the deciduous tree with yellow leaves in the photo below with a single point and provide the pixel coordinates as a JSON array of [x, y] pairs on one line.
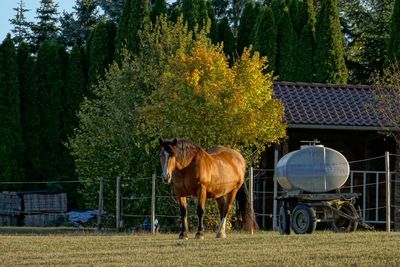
[[178, 85]]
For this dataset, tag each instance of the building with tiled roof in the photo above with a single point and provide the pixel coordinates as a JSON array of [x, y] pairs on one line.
[[342, 117]]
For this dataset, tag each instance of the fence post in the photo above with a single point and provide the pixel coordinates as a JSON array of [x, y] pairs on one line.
[[153, 202], [118, 204], [251, 185], [275, 201], [101, 204], [387, 174]]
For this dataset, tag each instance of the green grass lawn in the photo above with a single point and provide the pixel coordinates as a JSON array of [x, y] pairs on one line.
[[239, 249]]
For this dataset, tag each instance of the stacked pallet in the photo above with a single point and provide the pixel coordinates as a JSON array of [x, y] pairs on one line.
[[44, 209], [10, 208]]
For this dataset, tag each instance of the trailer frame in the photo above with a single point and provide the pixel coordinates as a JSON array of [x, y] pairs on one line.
[[301, 211]]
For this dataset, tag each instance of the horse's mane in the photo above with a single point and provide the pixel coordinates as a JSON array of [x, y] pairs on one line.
[[185, 149]]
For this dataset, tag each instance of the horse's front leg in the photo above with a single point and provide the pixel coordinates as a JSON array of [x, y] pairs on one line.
[[183, 210], [201, 203]]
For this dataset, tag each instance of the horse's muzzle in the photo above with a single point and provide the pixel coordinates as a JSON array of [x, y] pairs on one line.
[[167, 179]]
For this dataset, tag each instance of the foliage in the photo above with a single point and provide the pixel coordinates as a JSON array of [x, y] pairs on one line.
[[387, 100], [46, 28], [134, 19], [100, 50], [112, 8], [247, 24], [329, 52], [69, 29], [119, 125], [366, 28], [286, 43], [49, 75], [305, 43], [87, 17], [394, 40], [213, 22], [195, 13], [108, 142], [159, 7], [74, 90], [30, 121], [204, 100], [265, 36], [11, 146], [225, 36], [21, 28]]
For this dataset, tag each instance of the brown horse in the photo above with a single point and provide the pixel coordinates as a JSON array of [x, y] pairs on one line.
[[218, 173]]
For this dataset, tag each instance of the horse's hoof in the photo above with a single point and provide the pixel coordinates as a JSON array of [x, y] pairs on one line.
[[199, 236], [221, 235], [183, 236]]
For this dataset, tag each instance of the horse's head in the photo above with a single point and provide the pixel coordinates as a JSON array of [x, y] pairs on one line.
[[168, 159]]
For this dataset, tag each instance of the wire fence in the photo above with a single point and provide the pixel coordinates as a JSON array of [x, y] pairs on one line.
[[154, 205]]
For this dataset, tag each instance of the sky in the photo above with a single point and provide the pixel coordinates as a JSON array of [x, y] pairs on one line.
[[7, 12]]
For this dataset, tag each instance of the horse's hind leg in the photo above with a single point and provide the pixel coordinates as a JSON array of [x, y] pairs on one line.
[[201, 196], [183, 210], [230, 197]]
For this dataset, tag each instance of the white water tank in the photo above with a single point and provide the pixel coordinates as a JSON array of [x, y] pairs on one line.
[[313, 168]]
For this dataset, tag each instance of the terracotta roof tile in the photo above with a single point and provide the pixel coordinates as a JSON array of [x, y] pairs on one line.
[[325, 104]]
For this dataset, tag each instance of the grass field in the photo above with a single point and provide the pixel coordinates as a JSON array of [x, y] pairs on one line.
[[239, 249]]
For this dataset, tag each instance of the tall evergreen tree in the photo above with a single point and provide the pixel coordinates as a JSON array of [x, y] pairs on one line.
[[11, 145], [214, 24], [394, 40], [286, 43], [73, 90], [304, 63], [366, 25], [46, 27], [72, 96], [49, 84], [69, 29], [30, 124], [246, 26], [112, 8], [225, 36], [87, 17], [159, 7], [277, 7], [21, 30], [329, 53], [135, 17], [265, 36], [101, 48], [195, 13]]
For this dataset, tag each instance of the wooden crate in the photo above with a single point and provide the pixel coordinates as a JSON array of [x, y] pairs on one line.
[[10, 203], [48, 219], [45, 202], [8, 220]]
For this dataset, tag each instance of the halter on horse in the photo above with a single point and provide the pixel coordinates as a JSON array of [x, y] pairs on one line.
[[218, 173]]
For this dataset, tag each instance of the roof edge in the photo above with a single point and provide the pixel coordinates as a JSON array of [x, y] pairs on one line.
[[341, 127], [359, 86]]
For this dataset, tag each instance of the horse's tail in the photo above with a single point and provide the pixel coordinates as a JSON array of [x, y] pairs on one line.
[[246, 217]]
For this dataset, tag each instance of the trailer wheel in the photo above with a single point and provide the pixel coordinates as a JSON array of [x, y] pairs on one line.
[[303, 219], [284, 221], [343, 224]]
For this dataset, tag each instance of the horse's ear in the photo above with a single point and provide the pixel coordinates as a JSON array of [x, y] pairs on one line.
[[174, 142], [161, 141]]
